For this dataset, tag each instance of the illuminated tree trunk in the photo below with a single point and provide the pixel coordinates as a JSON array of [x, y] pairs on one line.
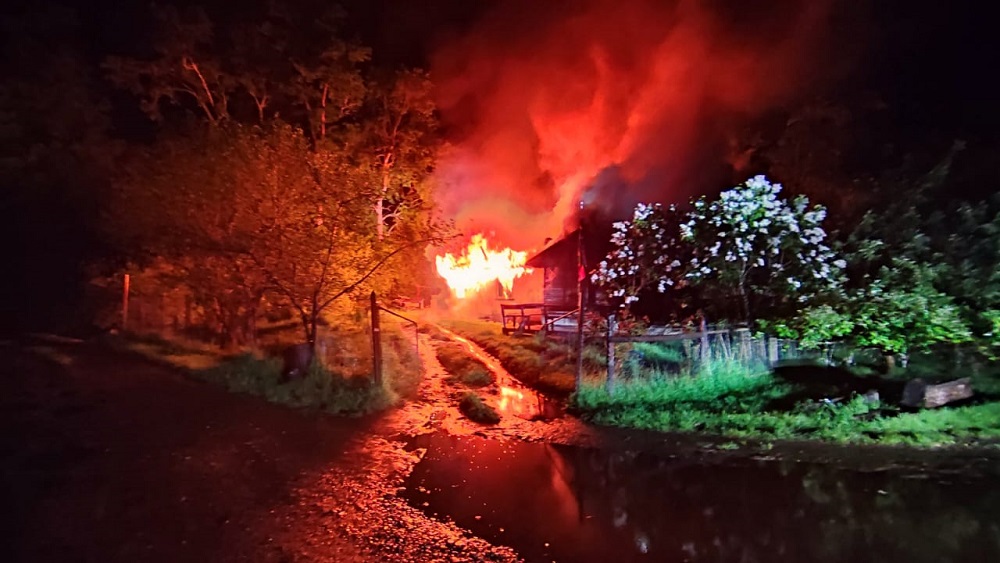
[[380, 200]]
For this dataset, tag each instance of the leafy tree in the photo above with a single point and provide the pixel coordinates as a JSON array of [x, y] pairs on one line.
[[912, 273], [397, 140], [901, 309], [246, 213], [749, 244]]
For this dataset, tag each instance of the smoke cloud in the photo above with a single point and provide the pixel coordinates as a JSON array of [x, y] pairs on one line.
[[612, 101]]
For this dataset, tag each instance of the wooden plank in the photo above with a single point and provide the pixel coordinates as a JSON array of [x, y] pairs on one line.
[[918, 393]]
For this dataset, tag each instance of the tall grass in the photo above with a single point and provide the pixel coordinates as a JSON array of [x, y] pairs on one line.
[[318, 388], [338, 382], [538, 362], [727, 399], [462, 365]]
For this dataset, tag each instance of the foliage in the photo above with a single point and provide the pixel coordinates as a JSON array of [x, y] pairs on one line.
[[922, 278], [540, 363], [764, 249], [248, 71], [473, 407], [461, 365], [813, 327], [644, 254], [318, 388], [737, 404], [327, 203], [749, 244], [396, 140], [902, 309]]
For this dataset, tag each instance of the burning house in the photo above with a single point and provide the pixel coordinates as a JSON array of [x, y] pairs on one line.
[[565, 265]]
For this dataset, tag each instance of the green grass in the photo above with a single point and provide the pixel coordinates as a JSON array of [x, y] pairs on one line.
[[729, 400], [317, 389], [473, 407], [340, 383], [462, 366], [540, 363]]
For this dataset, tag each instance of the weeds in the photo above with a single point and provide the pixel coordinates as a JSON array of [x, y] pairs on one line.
[[730, 400], [317, 389], [541, 363], [339, 382], [462, 365], [473, 407]]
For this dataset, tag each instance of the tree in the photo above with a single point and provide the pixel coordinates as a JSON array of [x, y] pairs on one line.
[[901, 310], [397, 140], [647, 254], [186, 70], [762, 249], [918, 278], [244, 213]]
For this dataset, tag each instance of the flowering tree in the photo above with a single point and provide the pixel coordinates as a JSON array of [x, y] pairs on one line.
[[753, 243], [645, 254], [749, 243]]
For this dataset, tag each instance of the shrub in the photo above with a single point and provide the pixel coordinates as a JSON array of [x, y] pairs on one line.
[[319, 388], [537, 362], [473, 407], [462, 365]]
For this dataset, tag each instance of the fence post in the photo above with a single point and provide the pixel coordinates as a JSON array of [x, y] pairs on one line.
[[376, 343], [702, 326], [612, 329], [772, 350]]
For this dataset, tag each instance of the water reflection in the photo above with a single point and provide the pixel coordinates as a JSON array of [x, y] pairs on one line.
[[571, 504]]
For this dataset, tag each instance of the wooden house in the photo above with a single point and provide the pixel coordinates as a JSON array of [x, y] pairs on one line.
[[562, 273]]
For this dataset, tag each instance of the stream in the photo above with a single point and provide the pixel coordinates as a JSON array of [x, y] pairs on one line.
[[567, 503]]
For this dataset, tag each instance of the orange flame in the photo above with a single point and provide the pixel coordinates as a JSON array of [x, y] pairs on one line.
[[511, 401], [478, 266]]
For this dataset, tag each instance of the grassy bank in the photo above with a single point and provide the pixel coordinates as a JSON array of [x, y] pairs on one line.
[[547, 365], [728, 400], [462, 366], [338, 383]]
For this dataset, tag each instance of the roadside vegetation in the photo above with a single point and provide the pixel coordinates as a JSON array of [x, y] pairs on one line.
[[544, 364], [907, 289], [473, 406], [726, 398], [337, 382], [462, 366]]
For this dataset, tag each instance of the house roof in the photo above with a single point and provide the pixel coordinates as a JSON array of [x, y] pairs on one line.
[[557, 253], [563, 250]]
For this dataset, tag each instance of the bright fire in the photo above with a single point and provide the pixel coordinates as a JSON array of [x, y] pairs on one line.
[[511, 401], [479, 266]]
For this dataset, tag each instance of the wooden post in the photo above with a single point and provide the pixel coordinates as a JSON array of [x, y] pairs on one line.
[[581, 286], [376, 343], [612, 329], [704, 352], [772, 350], [125, 291]]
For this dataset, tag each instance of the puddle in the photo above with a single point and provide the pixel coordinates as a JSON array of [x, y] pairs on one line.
[[564, 503], [514, 398]]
